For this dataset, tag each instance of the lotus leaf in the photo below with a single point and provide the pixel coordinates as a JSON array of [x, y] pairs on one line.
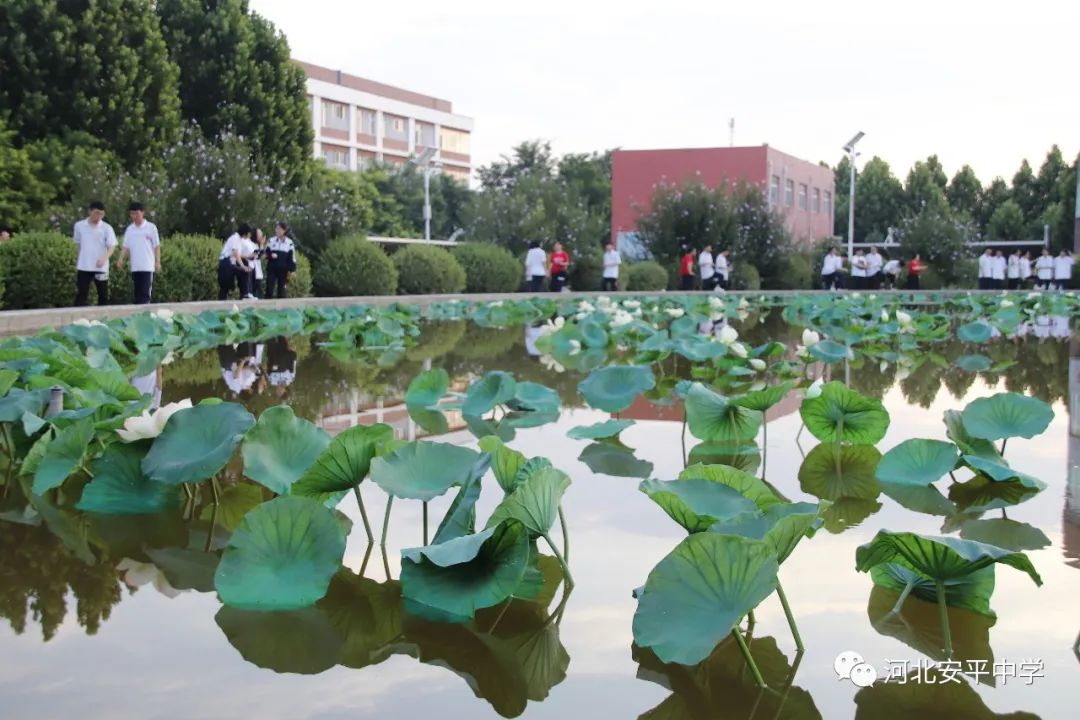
[[1005, 533], [743, 483], [782, 525], [980, 494], [1001, 472], [612, 458], [1006, 415], [433, 422], [495, 388], [367, 615], [697, 504], [715, 418], [975, 332], [938, 558], [534, 502], [427, 389], [425, 470], [973, 363], [762, 400], [830, 351], [344, 463], [460, 518], [196, 442], [281, 447], [286, 641], [831, 471], [186, 569], [917, 462], [62, 456], [120, 487], [599, 431], [613, 388], [535, 398], [840, 413], [954, 430], [919, 498], [505, 462]]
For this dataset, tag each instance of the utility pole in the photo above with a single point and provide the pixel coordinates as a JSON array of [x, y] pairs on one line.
[[849, 148], [731, 132]]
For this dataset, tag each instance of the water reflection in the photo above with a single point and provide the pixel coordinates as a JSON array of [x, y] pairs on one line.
[[923, 693]]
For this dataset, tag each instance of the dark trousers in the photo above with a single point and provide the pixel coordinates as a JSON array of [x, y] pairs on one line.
[[144, 285], [536, 283], [226, 278], [558, 281], [256, 286], [687, 282], [608, 284], [275, 282], [83, 279], [827, 281], [912, 282]]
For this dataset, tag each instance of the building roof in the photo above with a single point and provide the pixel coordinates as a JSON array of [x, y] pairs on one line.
[[338, 77]]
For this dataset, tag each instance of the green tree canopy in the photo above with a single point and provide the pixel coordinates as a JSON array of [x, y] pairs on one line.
[[21, 194], [925, 186], [964, 192], [939, 235], [1007, 222], [879, 200]]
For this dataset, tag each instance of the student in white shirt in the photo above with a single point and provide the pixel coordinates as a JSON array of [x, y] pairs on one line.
[[281, 260], [535, 267], [829, 270], [891, 273], [723, 270], [986, 269], [256, 264], [1044, 270], [231, 270], [997, 272], [707, 268], [143, 244], [97, 241], [858, 270], [1012, 272], [249, 252], [874, 263], [1063, 270], [612, 260], [1025, 269]]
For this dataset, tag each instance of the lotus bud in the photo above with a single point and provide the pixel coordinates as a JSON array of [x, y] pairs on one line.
[[758, 364], [810, 337], [815, 389]]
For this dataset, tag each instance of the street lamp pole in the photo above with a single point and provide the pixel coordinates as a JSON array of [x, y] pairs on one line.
[[850, 148], [428, 168]]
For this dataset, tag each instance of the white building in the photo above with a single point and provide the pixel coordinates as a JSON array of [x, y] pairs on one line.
[[358, 122]]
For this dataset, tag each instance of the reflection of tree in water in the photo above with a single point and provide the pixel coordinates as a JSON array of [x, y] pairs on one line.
[[925, 694], [36, 574], [868, 379]]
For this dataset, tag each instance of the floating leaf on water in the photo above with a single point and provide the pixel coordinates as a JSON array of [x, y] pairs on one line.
[[197, 442], [609, 458], [1006, 415], [425, 470], [840, 413], [598, 431], [281, 447], [975, 332], [917, 462], [613, 388]]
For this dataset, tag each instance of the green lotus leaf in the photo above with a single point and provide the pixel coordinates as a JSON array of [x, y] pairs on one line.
[[18, 402], [32, 423], [715, 418], [529, 419], [762, 400], [495, 388], [286, 641], [975, 332], [1005, 533], [832, 471], [1006, 415], [120, 487], [481, 428], [281, 447], [610, 458], [534, 502], [505, 462], [463, 575], [919, 498], [344, 463], [427, 389], [739, 455], [185, 568], [537, 648], [782, 525], [954, 430], [536, 398], [599, 431], [234, 502], [840, 413], [197, 442], [282, 556], [938, 558], [973, 363], [981, 494], [744, 483], [614, 388], [366, 615], [7, 380], [1001, 472], [433, 422], [592, 334], [698, 504], [917, 462], [830, 351], [460, 518], [699, 592], [971, 591], [928, 692], [425, 470], [63, 455], [698, 349]]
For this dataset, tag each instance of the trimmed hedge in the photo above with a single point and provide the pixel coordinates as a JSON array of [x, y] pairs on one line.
[[586, 270], [488, 268], [427, 270], [39, 271], [746, 277], [352, 265], [795, 273], [647, 275]]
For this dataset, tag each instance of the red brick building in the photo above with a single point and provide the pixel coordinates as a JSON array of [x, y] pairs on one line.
[[802, 191]]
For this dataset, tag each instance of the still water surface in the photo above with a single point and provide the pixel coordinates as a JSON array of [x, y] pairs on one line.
[[113, 640]]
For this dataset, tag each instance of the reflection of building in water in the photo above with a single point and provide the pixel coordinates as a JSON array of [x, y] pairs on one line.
[[643, 409], [355, 407], [1071, 524]]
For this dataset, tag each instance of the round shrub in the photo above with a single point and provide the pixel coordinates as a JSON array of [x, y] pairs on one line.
[[352, 265], [488, 268], [586, 271], [745, 277], [428, 270], [795, 273], [436, 339], [188, 272], [301, 283], [647, 275], [39, 271]]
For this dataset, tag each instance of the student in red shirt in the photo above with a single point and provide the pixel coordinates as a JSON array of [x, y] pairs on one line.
[[560, 263], [913, 269], [686, 268]]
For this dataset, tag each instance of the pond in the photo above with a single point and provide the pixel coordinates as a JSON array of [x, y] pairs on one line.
[[94, 627]]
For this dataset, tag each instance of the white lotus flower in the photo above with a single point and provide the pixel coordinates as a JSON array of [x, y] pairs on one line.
[[585, 307], [603, 301], [162, 414], [758, 385], [883, 366], [575, 347], [495, 303], [164, 314], [739, 349], [557, 323], [168, 359], [83, 322], [675, 312], [728, 335], [1006, 303], [743, 304], [235, 309], [884, 316], [742, 314], [810, 337], [872, 297], [632, 304], [1034, 295], [580, 316], [551, 363], [815, 389], [139, 427], [620, 318], [757, 363], [801, 352], [137, 574], [902, 373], [903, 318]]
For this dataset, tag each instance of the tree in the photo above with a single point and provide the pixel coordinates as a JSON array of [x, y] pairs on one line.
[[236, 76], [964, 192], [842, 182], [527, 159], [1007, 222], [94, 66], [589, 174], [996, 193], [879, 199], [21, 193], [939, 235], [1062, 233], [925, 186], [1023, 191]]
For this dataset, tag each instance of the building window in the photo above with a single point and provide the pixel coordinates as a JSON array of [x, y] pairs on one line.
[[817, 200], [802, 196], [828, 203], [335, 115], [395, 128], [425, 135], [459, 174], [367, 121], [789, 192], [774, 190], [455, 141], [336, 157]]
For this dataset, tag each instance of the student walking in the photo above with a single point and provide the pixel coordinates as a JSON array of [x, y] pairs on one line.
[[612, 260], [1063, 270], [281, 261], [257, 276], [143, 245], [723, 270], [535, 267], [96, 240], [830, 270], [707, 268], [560, 263], [231, 270], [874, 263], [686, 268], [1044, 270]]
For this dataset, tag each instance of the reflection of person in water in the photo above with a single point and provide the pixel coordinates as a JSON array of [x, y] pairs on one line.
[[1042, 326], [281, 365], [1059, 326], [240, 368], [150, 384], [532, 332]]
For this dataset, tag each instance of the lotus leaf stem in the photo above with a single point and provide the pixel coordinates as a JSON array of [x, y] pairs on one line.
[[749, 658], [562, 561], [506, 606], [1003, 443], [386, 521], [790, 617], [215, 490], [764, 443], [385, 562], [750, 621], [1003, 515], [213, 526], [952, 476], [943, 612], [188, 491], [682, 437], [363, 515], [425, 524], [565, 534], [903, 596], [367, 556]]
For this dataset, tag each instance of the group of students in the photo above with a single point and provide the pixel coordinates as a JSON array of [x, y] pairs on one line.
[[869, 271], [539, 267], [240, 263], [248, 368], [996, 272], [715, 272]]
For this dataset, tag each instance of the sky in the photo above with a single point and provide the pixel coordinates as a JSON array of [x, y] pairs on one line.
[[980, 83]]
